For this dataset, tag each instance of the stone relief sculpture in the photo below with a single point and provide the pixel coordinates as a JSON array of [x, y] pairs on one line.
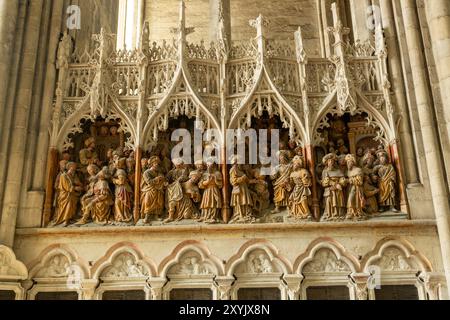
[[387, 180], [334, 182], [325, 261], [281, 184], [123, 194], [125, 265], [69, 189], [258, 263], [181, 193], [301, 193], [57, 267], [355, 192], [241, 199], [394, 260], [212, 183], [98, 208], [190, 264], [355, 179], [153, 185]]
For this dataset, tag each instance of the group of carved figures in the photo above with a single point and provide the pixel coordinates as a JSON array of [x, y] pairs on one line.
[[357, 187], [353, 188]]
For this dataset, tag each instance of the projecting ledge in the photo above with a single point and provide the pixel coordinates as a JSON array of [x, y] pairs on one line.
[[223, 228]]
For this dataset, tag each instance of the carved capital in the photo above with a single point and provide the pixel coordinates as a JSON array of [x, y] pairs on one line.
[[432, 281], [224, 285], [156, 287], [293, 282], [88, 288], [361, 281]]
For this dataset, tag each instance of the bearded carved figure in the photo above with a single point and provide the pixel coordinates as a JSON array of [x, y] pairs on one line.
[[300, 196], [355, 191], [153, 185], [387, 182], [281, 184], [334, 182], [181, 192], [68, 194]]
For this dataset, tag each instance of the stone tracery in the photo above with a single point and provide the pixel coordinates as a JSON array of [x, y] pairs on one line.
[[226, 85]]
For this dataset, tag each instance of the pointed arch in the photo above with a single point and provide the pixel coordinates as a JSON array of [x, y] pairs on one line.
[[72, 124], [121, 252], [329, 105], [10, 267], [278, 263], [325, 243], [402, 248], [159, 116], [58, 261], [289, 116], [210, 263]]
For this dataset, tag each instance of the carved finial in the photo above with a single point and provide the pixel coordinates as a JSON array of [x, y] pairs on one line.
[[223, 47], [300, 50], [145, 37], [380, 44], [64, 51], [338, 30], [259, 24], [105, 45]]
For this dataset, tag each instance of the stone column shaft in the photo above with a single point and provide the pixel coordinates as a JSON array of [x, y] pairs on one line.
[[22, 107], [438, 16], [396, 77], [9, 11], [428, 126]]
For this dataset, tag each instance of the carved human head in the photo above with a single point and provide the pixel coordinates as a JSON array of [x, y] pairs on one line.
[[298, 162], [382, 156], [350, 161], [62, 165], [154, 161], [329, 160], [121, 163], [199, 165], [144, 162], [90, 143], [113, 130], [178, 163], [71, 167], [92, 169]]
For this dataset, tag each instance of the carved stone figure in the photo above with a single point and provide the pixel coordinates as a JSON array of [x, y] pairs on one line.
[[355, 191], [125, 266], [212, 183], [98, 207], [259, 263], [69, 189], [180, 203], [62, 169], [57, 267], [64, 51], [333, 180], [281, 184], [191, 266], [387, 181], [92, 171], [260, 190], [88, 155], [241, 198], [131, 168], [153, 184], [123, 194], [299, 198]]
